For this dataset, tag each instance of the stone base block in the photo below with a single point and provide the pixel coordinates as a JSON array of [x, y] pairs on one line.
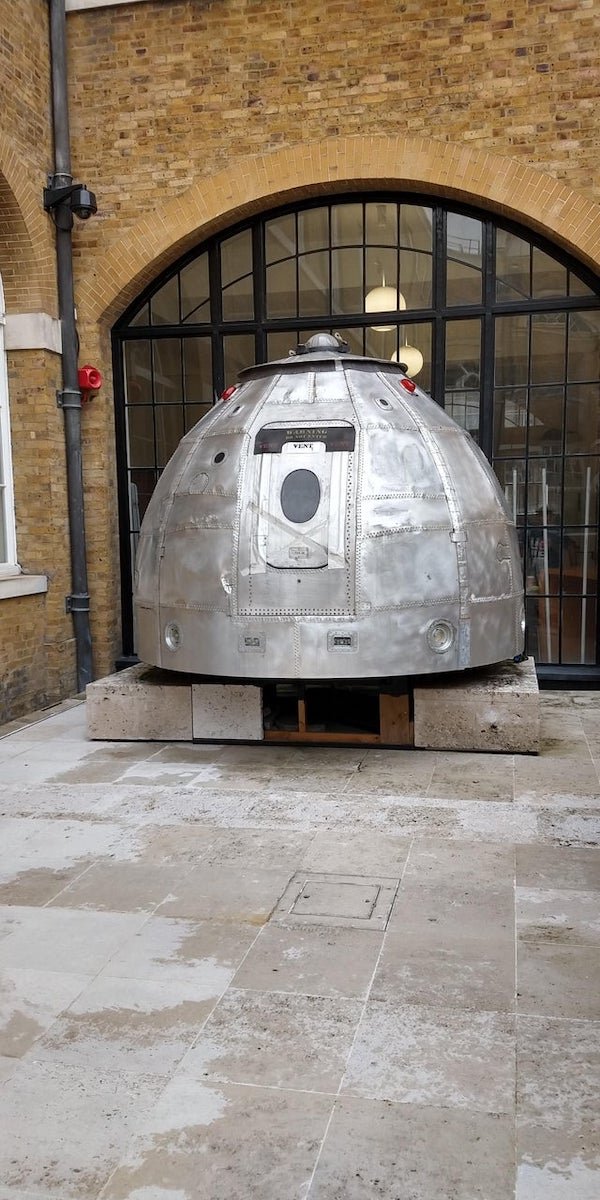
[[144, 704], [225, 712], [492, 709], [140, 704]]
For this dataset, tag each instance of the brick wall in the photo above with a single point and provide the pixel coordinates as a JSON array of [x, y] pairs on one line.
[[37, 664], [165, 93], [26, 241]]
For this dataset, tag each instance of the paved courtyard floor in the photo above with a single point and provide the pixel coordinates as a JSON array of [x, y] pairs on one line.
[[230, 973]]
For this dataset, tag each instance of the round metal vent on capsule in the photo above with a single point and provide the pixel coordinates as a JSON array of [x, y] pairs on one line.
[[327, 520]]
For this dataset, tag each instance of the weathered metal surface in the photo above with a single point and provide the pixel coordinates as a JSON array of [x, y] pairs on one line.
[[326, 522]]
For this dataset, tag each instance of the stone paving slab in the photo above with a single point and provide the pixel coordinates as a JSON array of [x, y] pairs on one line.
[[374, 1148], [162, 1035]]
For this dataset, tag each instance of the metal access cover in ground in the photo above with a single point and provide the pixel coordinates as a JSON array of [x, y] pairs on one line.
[[351, 900]]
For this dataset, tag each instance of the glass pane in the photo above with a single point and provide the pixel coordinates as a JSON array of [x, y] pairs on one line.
[[238, 300], [313, 284], [313, 229], [546, 406], [510, 421], [143, 317], [164, 305], [381, 224], [169, 431], [380, 343], [412, 346], [577, 287], [236, 257], [280, 344], [583, 418], [381, 267], [511, 475], [549, 278], [197, 371], [463, 268], [355, 339], [194, 413], [581, 490], [347, 281], [238, 353], [584, 345], [195, 290], [138, 375], [416, 278], [140, 427], [513, 257], [281, 289], [280, 238], [544, 492], [578, 642], [542, 625], [580, 559], [416, 227], [548, 344], [463, 355], [167, 359], [141, 487], [512, 351], [347, 225]]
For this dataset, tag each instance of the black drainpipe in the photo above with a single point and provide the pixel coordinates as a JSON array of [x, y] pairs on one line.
[[78, 603]]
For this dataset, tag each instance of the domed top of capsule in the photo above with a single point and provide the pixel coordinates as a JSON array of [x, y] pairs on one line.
[[325, 348]]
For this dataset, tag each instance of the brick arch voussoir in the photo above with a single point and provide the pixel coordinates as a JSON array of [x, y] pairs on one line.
[[27, 262], [503, 186]]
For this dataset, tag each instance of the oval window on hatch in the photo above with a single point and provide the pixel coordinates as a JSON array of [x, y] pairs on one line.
[[300, 496]]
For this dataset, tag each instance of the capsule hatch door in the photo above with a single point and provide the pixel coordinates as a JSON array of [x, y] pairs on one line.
[[300, 497]]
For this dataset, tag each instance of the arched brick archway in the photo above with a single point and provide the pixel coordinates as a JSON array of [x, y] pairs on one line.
[[502, 185]]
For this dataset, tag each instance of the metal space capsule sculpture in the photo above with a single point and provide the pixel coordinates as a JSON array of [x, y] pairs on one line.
[[328, 520]]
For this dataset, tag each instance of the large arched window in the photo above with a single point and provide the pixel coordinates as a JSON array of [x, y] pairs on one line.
[[501, 328]]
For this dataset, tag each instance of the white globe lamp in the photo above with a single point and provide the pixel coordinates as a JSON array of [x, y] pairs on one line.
[[411, 357], [384, 299]]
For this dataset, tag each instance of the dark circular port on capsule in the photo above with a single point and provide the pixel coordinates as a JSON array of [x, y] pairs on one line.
[[219, 457], [300, 496]]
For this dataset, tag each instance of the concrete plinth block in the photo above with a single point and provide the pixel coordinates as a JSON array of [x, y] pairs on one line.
[[140, 704], [227, 712], [495, 708]]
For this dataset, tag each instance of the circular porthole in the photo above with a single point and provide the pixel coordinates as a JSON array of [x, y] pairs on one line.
[[173, 635], [440, 636], [300, 496], [219, 458]]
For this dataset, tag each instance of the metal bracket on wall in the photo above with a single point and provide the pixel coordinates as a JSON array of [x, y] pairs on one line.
[[69, 398], [77, 602]]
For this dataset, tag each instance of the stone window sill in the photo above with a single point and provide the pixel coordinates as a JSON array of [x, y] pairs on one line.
[[22, 585]]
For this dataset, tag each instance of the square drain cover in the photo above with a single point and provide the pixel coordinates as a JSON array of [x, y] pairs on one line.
[[351, 900]]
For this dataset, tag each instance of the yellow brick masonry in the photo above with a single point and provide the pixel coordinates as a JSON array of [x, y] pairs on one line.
[[36, 650], [165, 93], [26, 236], [36, 646]]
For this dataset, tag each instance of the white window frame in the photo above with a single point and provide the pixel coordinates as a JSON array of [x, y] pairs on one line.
[[9, 566]]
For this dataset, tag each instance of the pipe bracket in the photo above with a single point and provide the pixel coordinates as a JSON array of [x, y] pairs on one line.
[[69, 398], [77, 602]]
